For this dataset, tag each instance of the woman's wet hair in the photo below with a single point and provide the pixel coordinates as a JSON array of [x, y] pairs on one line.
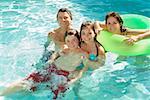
[[119, 19], [65, 10]]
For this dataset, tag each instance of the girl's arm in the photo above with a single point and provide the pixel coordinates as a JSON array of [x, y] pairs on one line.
[[137, 31], [101, 52], [132, 39], [98, 27]]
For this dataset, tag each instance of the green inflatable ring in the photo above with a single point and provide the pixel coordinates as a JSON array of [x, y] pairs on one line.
[[114, 43]]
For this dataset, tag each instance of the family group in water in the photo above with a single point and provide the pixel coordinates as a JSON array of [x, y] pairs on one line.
[[76, 53]]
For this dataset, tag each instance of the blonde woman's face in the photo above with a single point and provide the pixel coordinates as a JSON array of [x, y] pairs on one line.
[[64, 19], [87, 34], [72, 41], [113, 25]]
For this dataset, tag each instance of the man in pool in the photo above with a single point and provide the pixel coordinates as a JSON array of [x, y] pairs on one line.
[[64, 18]]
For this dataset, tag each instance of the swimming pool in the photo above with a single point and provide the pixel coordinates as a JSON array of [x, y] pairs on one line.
[[23, 29]]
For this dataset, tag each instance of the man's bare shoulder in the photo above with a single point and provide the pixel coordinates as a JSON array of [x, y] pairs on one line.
[[52, 32]]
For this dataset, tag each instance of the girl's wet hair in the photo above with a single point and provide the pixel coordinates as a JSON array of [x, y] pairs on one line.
[[65, 10], [86, 24], [119, 19]]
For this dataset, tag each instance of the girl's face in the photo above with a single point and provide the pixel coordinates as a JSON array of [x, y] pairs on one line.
[[64, 19], [113, 25], [72, 42], [87, 34]]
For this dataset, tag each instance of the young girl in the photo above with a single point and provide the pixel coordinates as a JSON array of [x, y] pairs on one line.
[[57, 75], [90, 45], [114, 24]]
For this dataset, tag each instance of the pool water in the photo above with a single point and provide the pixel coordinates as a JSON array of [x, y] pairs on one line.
[[24, 25]]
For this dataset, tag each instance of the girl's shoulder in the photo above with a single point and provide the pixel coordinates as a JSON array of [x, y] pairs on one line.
[[98, 44], [101, 50]]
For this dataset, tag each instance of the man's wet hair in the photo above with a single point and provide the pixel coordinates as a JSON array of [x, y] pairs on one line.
[[65, 10]]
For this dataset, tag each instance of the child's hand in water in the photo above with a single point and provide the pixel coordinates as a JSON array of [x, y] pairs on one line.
[[131, 40], [76, 76]]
